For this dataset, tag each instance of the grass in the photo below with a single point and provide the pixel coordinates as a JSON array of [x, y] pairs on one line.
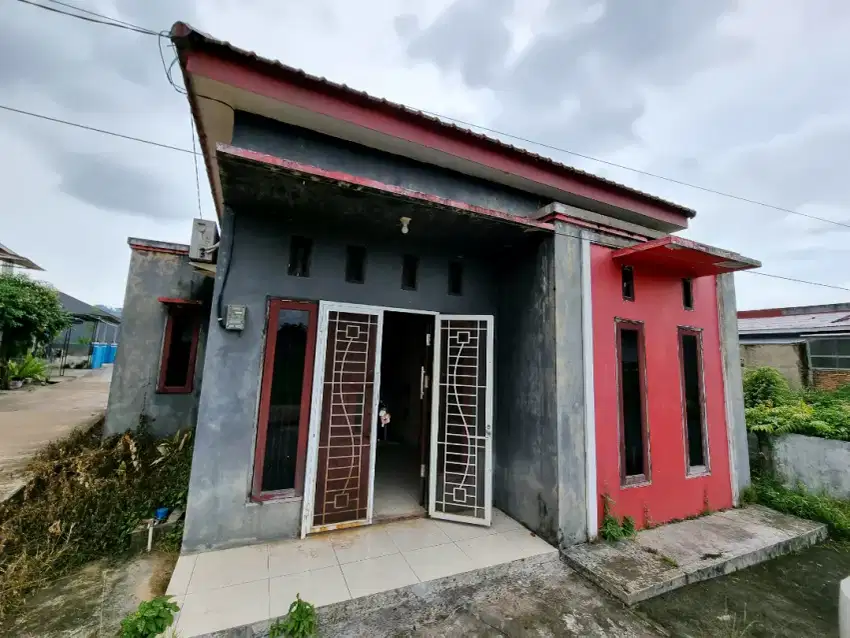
[[797, 501]]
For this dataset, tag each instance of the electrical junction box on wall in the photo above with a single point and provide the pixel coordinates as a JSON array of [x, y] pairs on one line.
[[204, 244], [234, 316]]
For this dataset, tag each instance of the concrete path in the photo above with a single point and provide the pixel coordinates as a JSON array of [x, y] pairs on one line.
[[32, 417]]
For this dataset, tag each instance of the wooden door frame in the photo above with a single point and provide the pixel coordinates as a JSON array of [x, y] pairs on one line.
[[309, 501]]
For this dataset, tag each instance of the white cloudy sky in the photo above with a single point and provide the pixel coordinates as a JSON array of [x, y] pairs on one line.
[[750, 97]]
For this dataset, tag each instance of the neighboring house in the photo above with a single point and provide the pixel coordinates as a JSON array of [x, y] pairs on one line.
[[810, 345], [90, 324], [9, 260], [539, 339]]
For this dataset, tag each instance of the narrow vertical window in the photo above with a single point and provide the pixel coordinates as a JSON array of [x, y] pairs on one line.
[[688, 294], [409, 268], [179, 346], [355, 264], [693, 393], [632, 400], [628, 275], [300, 249], [284, 412], [455, 278]]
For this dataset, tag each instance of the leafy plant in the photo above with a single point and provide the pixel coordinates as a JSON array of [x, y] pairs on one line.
[[765, 386], [300, 621], [612, 529], [29, 368], [152, 618], [768, 491]]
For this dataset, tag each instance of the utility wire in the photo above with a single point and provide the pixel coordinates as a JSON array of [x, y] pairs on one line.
[[100, 15], [195, 158], [96, 130], [110, 22]]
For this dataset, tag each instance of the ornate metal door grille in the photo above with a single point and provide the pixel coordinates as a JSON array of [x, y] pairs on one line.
[[461, 428], [345, 437]]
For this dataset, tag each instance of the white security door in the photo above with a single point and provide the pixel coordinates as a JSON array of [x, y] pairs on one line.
[[462, 420]]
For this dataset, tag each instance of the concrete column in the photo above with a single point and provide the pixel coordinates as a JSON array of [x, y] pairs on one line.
[[844, 609], [739, 460], [570, 393]]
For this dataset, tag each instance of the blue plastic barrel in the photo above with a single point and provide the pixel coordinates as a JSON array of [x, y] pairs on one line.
[[98, 354], [110, 353]]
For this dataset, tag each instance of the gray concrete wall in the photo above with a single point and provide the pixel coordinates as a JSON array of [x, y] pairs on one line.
[[821, 465], [525, 479], [788, 358], [736, 425], [283, 140], [219, 512], [132, 394]]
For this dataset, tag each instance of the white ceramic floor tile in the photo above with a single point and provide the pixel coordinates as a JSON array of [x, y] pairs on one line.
[[501, 522], [294, 556], [180, 576], [463, 531], [438, 561], [223, 608], [319, 587], [378, 574], [528, 544], [494, 549], [360, 544], [230, 567], [416, 534]]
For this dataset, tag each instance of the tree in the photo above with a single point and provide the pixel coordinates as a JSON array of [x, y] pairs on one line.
[[30, 315]]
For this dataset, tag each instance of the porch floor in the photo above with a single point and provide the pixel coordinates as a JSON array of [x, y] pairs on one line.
[[233, 587], [671, 556]]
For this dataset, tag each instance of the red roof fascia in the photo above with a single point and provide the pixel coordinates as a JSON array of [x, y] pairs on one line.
[[371, 184], [760, 314], [176, 301], [229, 65], [683, 257]]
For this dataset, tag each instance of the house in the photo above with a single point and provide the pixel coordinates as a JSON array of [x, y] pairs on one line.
[[90, 325], [9, 260], [809, 345], [535, 336]]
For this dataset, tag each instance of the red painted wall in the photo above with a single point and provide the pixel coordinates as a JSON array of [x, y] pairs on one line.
[[658, 303]]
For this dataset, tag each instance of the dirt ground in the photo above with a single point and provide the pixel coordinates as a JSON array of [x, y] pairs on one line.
[[33, 416], [92, 602], [790, 596]]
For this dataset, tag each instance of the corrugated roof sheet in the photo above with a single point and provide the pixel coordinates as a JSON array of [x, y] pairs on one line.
[[820, 322], [208, 39]]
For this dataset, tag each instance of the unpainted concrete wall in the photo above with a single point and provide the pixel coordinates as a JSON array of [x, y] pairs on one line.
[[219, 512], [257, 133], [821, 465], [788, 358], [132, 393]]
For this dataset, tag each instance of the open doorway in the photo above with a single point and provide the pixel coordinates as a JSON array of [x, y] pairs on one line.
[[401, 457]]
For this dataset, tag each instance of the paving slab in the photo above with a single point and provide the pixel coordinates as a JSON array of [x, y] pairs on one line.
[[671, 556]]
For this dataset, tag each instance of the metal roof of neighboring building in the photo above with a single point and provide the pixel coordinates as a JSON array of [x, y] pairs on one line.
[[796, 324], [9, 256], [85, 311]]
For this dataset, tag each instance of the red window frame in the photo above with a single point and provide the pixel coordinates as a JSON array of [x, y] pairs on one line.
[[274, 308], [632, 479], [191, 309], [694, 470]]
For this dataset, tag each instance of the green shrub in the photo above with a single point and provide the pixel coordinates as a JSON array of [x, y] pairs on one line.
[[769, 492], [765, 386], [84, 499], [300, 621], [151, 618], [612, 529], [821, 414], [29, 368]]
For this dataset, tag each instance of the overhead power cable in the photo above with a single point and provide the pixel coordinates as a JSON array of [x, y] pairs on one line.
[[110, 22]]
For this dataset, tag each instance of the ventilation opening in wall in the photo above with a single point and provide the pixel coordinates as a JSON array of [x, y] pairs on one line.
[[409, 272], [455, 278], [300, 249], [628, 276], [355, 264], [688, 294]]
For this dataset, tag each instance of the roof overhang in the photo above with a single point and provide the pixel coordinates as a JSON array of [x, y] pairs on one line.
[[684, 258], [177, 301], [221, 78], [9, 256]]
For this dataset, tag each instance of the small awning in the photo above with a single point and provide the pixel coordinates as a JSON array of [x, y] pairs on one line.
[[683, 258], [175, 301]]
